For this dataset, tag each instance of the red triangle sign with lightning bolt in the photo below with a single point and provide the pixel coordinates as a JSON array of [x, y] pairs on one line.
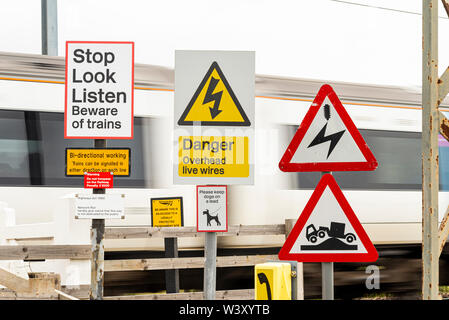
[[328, 230], [327, 140]]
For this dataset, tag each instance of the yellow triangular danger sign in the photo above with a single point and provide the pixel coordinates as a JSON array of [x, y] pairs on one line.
[[214, 103]]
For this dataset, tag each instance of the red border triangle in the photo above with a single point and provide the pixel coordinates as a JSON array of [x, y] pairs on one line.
[[371, 254], [287, 166]]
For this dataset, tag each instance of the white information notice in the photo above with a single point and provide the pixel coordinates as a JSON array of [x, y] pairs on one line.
[[99, 90], [212, 209], [100, 206]]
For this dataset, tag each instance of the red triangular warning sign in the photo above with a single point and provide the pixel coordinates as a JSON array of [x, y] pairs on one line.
[[328, 230], [327, 140]]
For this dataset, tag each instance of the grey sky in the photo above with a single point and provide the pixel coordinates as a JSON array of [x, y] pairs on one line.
[[378, 41]]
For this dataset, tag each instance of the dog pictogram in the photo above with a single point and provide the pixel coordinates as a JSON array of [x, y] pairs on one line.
[[210, 217]]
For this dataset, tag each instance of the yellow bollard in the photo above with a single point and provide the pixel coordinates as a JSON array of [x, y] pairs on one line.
[[272, 281]]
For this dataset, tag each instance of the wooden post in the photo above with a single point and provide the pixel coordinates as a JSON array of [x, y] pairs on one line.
[[429, 144], [39, 285], [171, 276], [97, 241]]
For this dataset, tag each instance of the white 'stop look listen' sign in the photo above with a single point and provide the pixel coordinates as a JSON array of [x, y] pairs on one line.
[[99, 95]]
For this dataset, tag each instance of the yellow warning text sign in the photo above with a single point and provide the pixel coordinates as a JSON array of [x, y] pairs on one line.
[[212, 156], [167, 212], [81, 160], [214, 103]]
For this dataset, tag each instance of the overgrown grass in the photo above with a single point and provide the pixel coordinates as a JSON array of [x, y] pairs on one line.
[[378, 296], [444, 289]]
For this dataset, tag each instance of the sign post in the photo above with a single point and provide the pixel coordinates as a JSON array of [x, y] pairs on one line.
[[99, 105], [49, 27], [210, 265], [97, 239], [327, 230], [212, 217], [327, 275], [434, 90]]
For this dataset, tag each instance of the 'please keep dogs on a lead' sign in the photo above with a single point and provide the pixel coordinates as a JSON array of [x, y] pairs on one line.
[[99, 90]]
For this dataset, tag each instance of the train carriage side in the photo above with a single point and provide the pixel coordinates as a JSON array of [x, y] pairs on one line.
[[387, 201]]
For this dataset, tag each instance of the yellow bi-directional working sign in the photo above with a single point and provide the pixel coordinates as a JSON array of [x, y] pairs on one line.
[[273, 281], [214, 103], [81, 160]]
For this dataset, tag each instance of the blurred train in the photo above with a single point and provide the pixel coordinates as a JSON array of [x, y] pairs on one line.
[[387, 201]]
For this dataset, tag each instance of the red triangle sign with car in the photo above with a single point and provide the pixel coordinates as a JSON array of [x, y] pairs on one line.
[[328, 230], [327, 140]]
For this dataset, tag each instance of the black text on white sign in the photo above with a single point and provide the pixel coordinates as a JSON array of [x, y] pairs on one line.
[[99, 90]]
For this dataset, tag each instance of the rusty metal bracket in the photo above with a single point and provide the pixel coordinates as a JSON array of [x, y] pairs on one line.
[[446, 6], [443, 231], [444, 126], [443, 81], [443, 86]]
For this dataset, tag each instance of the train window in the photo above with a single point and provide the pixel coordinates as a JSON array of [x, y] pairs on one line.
[[32, 151], [399, 158]]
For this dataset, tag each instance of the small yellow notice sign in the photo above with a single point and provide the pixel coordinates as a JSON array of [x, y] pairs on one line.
[[167, 212], [213, 156], [79, 160], [272, 281]]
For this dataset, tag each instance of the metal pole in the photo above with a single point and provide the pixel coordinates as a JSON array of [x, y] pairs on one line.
[[49, 26], [297, 268], [210, 265], [49, 37], [97, 240], [327, 275], [430, 128], [327, 280]]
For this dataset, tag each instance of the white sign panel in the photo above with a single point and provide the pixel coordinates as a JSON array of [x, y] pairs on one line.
[[100, 206], [212, 209], [99, 90], [214, 117]]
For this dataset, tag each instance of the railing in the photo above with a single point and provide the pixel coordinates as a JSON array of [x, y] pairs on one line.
[[191, 262], [72, 261]]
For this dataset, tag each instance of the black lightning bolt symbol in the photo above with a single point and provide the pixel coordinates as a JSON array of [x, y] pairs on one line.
[[321, 138], [216, 97]]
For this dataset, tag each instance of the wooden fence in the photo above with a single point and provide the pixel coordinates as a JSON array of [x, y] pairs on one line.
[[38, 286], [82, 252]]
